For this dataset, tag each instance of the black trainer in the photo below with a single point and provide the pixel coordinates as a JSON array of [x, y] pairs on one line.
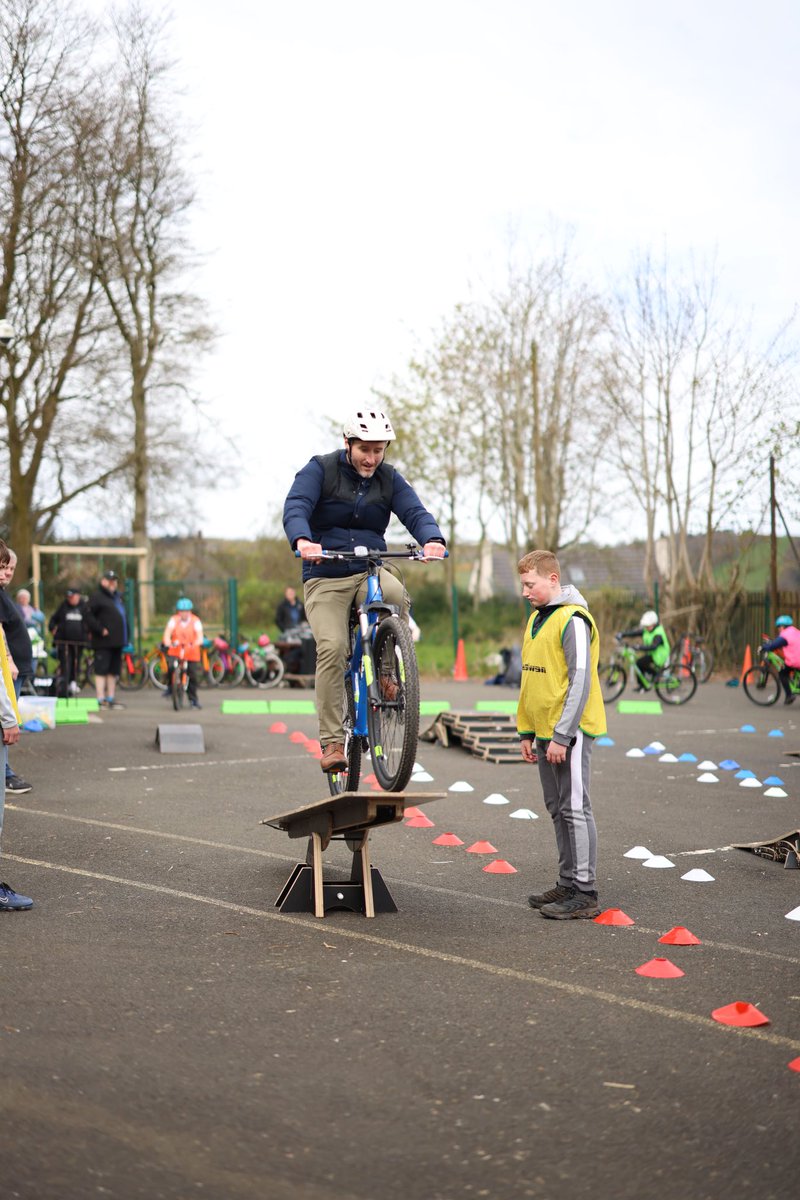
[[17, 786], [559, 892], [579, 904]]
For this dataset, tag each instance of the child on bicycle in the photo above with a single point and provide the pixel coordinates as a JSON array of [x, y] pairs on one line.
[[183, 638], [339, 501], [560, 713], [654, 646], [788, 642]]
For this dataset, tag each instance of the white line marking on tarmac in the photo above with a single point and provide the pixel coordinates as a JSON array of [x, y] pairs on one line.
[[196, 762], [473, 964], [472, 897]]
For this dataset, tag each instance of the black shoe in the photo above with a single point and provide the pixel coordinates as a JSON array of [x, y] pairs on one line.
[[789, 699], [17, 786], [195, 704], [559, 892], [579, 904]]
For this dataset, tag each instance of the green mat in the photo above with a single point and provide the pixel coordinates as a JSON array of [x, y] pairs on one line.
[[639, 706], [503, 706], [72, 716], [245, 706], [292, 706], [429, 707]]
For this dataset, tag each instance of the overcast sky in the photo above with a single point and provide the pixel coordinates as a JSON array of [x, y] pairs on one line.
[[360, 164]]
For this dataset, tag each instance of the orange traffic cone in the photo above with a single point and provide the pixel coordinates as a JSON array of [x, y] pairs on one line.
[[460, 669], [748, 662]]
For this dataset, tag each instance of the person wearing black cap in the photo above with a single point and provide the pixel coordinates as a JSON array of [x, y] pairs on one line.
[[69, 626], [106, 617]]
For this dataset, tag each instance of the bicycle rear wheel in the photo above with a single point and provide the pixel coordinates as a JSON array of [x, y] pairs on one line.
[[676, 684], [347, 780], [157, 670], [393, 722], [762, 685], [612, 681], [235, 672], [266, 672]]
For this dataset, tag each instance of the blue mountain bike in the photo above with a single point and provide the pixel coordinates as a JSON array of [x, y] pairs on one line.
[[381, 686]]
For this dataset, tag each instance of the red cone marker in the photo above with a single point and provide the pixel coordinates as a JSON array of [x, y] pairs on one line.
[[500, 867], [481, 848], [447, 839], [613, 916], [680, 936], [660, 968], [739, 1013]]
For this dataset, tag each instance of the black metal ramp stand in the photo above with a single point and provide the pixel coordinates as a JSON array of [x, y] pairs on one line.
[[347, 817]]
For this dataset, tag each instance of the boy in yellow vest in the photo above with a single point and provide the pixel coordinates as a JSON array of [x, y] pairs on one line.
[[560, 713]]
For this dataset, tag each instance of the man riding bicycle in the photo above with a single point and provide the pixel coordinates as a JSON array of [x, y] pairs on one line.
[[339, 501], [183, 639]]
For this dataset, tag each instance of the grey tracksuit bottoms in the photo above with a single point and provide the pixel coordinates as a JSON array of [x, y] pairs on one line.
[[566, 795]]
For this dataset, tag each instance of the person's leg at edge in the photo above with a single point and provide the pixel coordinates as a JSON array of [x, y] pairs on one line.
[[576, 832], [327, 604], [9, 773]]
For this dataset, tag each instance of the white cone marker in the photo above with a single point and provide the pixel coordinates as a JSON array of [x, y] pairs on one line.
[[525, 814], [794, 915], [776, 791], [707, 777], [707, 765], [635, 753], [698, 875], [658, 860], [638, 852], [461, 785], [667, 758], [421, 777], [750, 783], [496, 798], [656, 746]]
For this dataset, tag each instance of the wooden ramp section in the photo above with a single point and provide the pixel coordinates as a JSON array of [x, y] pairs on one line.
[[348, 817], [785, 849], [487, 735]]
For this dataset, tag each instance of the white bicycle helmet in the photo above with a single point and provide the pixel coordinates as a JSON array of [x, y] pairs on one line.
[[649, 618], [369, 425]]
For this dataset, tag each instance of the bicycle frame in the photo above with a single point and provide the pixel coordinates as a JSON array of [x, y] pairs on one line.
[[368, 614]]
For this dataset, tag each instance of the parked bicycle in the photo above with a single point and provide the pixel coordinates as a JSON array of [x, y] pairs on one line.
[[263, 666], [225, 665], [762, 684], [691, 651], [133, 672], [674, 684], [381, 704]]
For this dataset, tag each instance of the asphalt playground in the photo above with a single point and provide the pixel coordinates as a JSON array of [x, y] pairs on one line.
[[167, 1033]]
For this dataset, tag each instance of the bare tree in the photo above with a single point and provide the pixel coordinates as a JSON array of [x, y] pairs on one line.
[[143, 195], [693, 396], [48, 286]]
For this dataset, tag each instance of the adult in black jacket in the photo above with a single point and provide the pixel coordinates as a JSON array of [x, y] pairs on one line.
[[107, 624], [339, 501], [69, 626], [19, 653]]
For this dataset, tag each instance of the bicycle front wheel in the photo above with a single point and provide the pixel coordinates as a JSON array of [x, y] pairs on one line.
[[266, 672], [612, 681], [157, 670], [762, 685], [676, 684], [347, 781], [393, 722], [177, 688]]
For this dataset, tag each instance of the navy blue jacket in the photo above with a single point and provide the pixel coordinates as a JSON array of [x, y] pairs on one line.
[[355, 513]]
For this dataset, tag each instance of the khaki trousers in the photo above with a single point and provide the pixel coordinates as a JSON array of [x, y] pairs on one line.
[[327, 604]]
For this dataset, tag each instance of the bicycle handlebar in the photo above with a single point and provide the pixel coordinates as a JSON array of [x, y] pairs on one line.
[[413, 553]]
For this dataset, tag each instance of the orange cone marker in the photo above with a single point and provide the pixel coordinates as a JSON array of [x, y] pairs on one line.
[[420, 822], [794, 1065], [680, 936], [748, 662], [739, 1013], [447, 839], [613, 916], [411, 811], [481, 848], [500, 867], [460, 669], [660, 968], [297, 736], [312, 746], [278, 727]]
